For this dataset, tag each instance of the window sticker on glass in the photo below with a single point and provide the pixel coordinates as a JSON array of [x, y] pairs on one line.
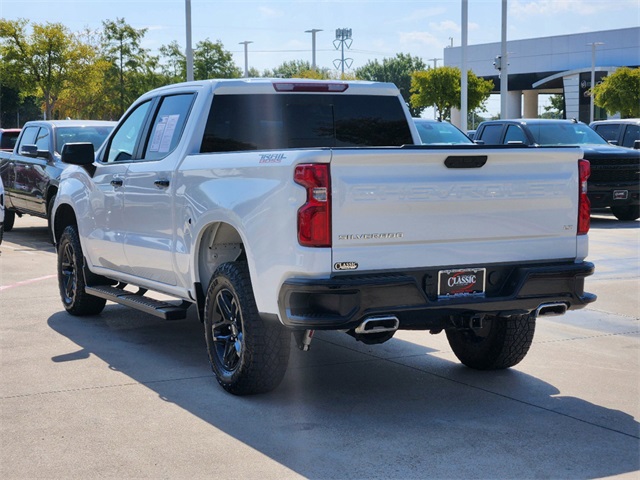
[[163, 133]]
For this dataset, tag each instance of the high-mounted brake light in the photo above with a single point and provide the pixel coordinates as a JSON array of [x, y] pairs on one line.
[[584, 205], [314, 217], [310, 87]]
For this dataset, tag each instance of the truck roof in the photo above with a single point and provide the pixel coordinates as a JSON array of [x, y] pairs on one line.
[[284, 85]]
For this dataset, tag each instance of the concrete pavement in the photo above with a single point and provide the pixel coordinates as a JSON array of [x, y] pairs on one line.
[[126, 395]]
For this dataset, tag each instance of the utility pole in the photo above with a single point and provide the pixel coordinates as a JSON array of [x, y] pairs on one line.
[[435, 61], [435, 65], [343, 37], [189, 50], [246, 57], [464, 81], [504, 64], [313, 32], [593, 77]]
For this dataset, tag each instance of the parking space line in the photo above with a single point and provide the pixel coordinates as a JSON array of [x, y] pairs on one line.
[[26, 282]]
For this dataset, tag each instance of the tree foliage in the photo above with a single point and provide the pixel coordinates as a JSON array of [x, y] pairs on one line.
[[174, 67], [44, 63], [211, 60], [441, 87], [397, 70], [556, 108], [620, 92], [297, 69], [132, 68]]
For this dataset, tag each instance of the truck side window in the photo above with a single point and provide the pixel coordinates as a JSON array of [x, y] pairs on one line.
[[491, 134], [123, 143], [631, 134], [29, 136], [42, 140], [609, 132], [515, 135], [168, 125]]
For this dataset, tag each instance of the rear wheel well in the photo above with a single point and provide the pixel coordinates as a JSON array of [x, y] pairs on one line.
[[220, 243]]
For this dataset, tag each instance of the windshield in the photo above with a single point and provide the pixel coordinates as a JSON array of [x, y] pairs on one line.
[[434, 133], [565, 134], [93, 134]]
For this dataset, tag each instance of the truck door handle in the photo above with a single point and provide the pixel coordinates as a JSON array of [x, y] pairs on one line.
[[116, 182], [465, 161], [161, 183]]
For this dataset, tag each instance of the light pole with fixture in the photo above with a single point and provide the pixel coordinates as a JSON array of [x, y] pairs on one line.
[[593, 77], [246, 57], [313, 32]]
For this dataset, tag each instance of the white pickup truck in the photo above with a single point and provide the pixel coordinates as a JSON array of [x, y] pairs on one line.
[[280, 207]]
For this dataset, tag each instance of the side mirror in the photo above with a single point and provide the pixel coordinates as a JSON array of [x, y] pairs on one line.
[[613, 142], [636, 145], [78, 153], [28, 151], [479, 142]]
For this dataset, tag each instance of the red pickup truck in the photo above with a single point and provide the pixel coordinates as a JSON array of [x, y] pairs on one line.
[[8, 137]]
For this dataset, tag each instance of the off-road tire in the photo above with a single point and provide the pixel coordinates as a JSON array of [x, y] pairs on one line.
[[628, 213], [247, 354], [501, 343], [71, 281], [9, 220]]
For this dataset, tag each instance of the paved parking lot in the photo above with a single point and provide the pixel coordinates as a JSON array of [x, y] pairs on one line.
[[126, 395]]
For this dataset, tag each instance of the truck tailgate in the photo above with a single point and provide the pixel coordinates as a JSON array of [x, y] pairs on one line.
[[405, 208]]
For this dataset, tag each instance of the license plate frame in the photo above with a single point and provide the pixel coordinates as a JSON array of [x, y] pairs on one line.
[[462, 282], [620, 194]]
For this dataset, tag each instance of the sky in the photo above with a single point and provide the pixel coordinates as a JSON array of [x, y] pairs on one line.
[[380, 28]]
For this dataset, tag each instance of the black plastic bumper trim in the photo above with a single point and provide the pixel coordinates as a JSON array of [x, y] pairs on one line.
[[343, 302]]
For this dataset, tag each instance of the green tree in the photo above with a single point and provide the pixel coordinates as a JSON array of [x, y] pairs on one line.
[[43, 63], [397, 70], [85, 96], [556, 108], [620, 92], [211, 60], [174, 67], [297, 69], [441, 87], [130, 63]]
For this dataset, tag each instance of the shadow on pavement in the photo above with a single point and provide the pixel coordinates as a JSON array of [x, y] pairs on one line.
[[30, 236], [350, 410]]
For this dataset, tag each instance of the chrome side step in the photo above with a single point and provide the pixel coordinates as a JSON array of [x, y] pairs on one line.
[[161, 309]]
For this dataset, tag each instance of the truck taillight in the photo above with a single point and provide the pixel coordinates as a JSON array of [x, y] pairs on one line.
[[314, 217], [584, 205]]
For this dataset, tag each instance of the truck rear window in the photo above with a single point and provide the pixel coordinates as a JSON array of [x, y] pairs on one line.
[[264, 122]]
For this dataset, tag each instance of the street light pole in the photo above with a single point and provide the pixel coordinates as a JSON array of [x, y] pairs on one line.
[[246, 57], [313, 32], [464, 75], [504, 73], [189, 50], [593, 77]]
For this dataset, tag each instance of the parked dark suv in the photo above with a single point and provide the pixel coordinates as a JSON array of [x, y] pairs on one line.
[[615, 171], [623, 132]]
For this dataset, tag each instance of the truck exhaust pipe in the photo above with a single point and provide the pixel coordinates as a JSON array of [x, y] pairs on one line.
[[551, 309], [378, 325]]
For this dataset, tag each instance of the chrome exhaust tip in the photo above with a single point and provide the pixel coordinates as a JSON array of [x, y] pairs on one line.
[[378, 325], [551, 309]]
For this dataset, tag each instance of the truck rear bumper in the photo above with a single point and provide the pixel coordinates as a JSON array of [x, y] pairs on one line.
[[345, 301], [624, 194]]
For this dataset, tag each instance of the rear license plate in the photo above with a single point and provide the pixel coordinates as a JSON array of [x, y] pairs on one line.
[[620, 194], [465, 281]]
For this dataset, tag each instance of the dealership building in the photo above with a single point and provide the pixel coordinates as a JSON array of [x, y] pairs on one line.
[[552, 65]]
